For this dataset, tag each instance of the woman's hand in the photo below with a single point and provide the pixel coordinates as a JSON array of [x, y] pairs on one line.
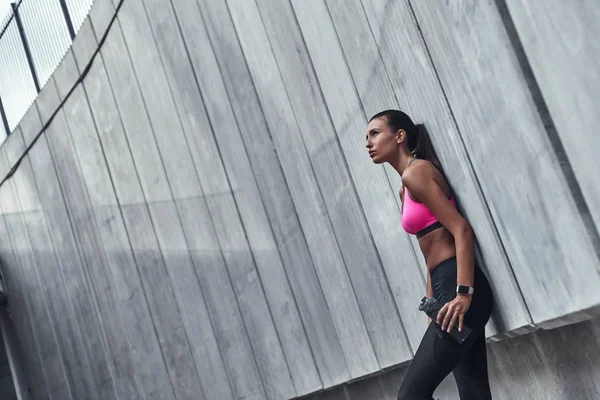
[[454, 311]]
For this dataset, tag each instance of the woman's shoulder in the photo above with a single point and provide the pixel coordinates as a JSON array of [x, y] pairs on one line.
[[421, 175], [418, 172]]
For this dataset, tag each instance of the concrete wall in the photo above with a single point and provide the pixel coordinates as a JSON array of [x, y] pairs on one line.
[[7, 387], [199, 219], [560, 364]]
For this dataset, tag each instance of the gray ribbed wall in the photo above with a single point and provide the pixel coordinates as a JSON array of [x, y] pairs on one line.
[[7, 388], [561, 364], [201, 220]]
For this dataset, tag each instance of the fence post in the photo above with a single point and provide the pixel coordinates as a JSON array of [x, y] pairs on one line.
[[26, 46], [65, 10]]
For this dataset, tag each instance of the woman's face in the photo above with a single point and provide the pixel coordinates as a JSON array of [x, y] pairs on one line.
[[382, 142]]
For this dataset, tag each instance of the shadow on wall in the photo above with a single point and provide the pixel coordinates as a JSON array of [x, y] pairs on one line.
[[7, 386]]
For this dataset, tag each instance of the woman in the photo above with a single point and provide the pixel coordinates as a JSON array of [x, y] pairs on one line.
[[447, 242]]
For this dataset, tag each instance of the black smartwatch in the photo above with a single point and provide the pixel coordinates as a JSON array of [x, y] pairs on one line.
[[463, 289]]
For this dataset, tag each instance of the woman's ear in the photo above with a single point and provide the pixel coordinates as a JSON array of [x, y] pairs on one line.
[[400, 136]]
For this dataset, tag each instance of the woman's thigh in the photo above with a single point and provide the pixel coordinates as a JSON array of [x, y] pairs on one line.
[[471, 373], [435, 358]]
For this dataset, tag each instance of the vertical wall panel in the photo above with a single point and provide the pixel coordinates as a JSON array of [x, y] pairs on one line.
[[101, 15], [416, 89], [16, 262], [37, 286], [157, 237], [184, 184], [80, 238], [565, 65], [378, 200], [51, 103], [78, 325], [84, 46], [369, 77], [92, 183], [256, 138], [220, 298], [132, 291], [335, 183], [502, 130], [11, 360], [218, 188], [3, 133], [229, 145], [140, 226], [49, 257], [214, 186], [361, 54], [299, 173]]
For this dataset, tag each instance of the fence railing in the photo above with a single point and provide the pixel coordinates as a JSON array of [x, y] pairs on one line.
[[34, 37]]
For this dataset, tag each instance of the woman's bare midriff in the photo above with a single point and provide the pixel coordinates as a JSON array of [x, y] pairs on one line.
[[437, 246]]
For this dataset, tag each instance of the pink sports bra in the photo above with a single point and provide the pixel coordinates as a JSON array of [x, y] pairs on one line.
[[417, 219]]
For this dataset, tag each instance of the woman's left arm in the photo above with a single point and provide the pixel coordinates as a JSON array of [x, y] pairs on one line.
[[426, 189]]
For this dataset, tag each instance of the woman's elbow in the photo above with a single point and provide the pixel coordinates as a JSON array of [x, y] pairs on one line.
[[464, 231]]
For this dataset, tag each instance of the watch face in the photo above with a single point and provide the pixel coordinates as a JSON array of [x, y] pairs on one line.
[[463, 289]]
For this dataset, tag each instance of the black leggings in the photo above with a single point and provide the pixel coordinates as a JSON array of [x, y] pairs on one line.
[[436, 357]]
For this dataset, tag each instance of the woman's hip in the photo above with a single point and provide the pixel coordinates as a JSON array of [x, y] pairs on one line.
[[443, 282]]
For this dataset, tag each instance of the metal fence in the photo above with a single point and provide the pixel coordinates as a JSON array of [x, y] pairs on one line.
[[34, 37]]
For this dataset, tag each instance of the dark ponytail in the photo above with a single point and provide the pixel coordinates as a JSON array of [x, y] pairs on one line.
[[417, 138], [423, 148]]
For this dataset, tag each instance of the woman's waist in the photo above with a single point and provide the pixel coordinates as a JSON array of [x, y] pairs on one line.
[[437, 246]]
